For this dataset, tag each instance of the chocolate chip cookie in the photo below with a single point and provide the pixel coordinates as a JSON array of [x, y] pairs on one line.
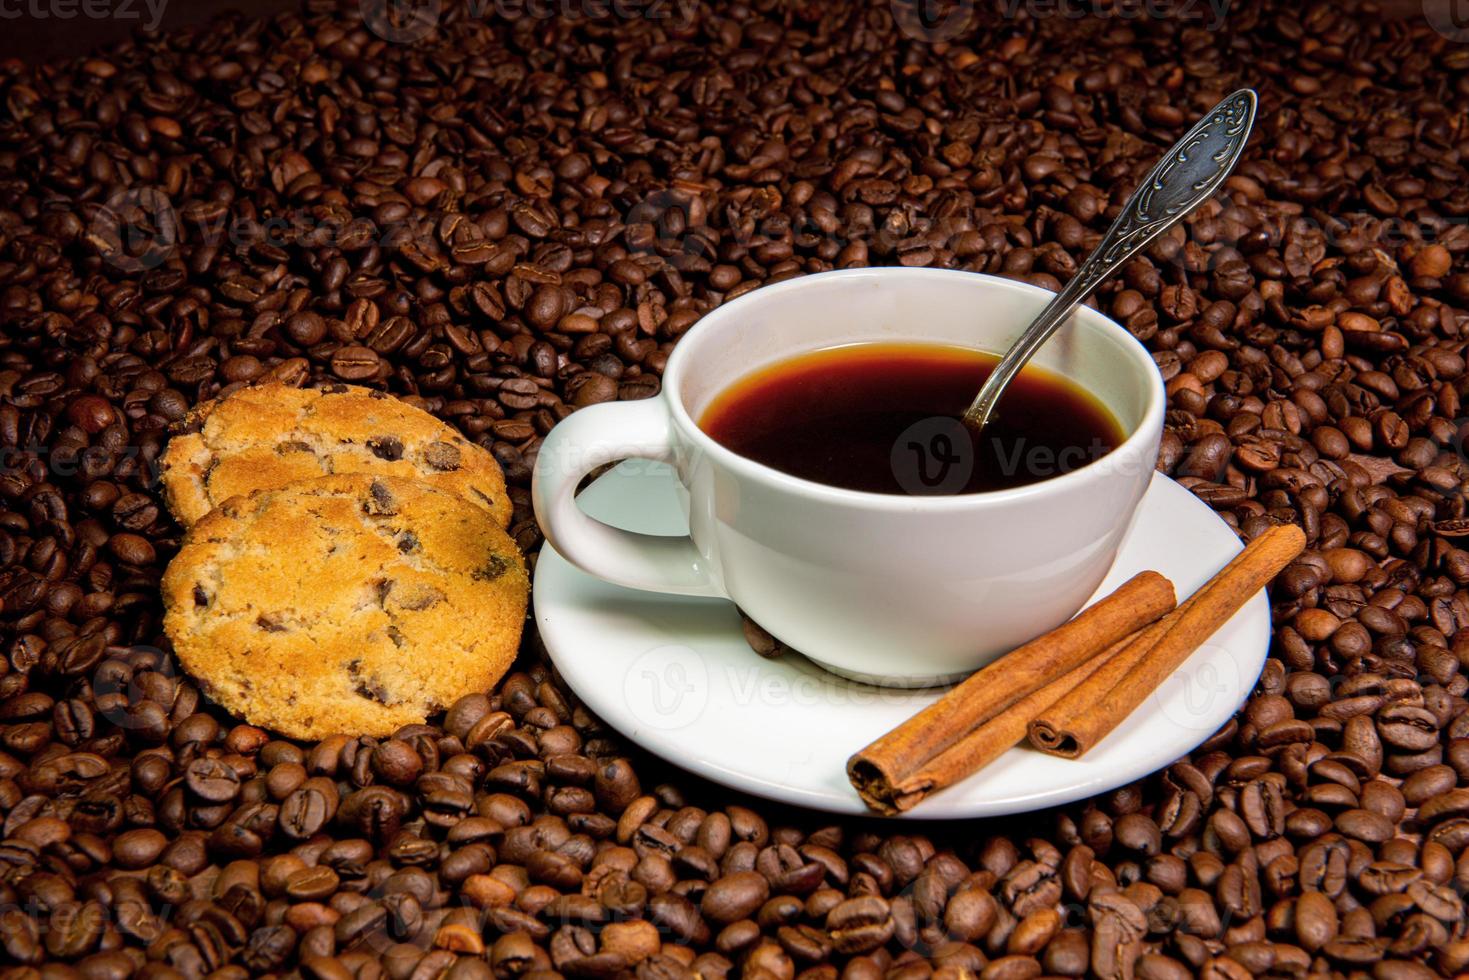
[[352, 603], [271, 435]]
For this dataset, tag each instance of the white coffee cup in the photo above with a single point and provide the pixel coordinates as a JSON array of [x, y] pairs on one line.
[[891, 589]]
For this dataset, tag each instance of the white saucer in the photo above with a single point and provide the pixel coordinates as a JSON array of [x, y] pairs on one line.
[[676, 677]]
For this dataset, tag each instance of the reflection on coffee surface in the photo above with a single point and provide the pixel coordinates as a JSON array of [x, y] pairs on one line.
[[884, 418]]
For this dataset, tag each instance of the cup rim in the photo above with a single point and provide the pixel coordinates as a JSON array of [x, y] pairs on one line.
[[1141, 436]]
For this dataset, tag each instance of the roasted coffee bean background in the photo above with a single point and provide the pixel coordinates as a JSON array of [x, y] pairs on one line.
[[513, 217]]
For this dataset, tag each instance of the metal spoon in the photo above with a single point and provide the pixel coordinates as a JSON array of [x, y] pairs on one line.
[[1185, 178]]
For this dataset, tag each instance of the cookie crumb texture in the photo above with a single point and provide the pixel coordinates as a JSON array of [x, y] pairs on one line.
[[354, 604], [268, 436]]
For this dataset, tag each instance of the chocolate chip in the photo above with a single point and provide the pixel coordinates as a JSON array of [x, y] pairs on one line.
[[371, 691], [407, 542], [201, 598], [368, 687], [380, 501], [386, 447], [496, 566], [442, 456], [270, 623], [422, 598]]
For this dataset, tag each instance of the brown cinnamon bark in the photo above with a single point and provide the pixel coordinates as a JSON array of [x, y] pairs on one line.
[[1072, 724], [972, 752], [879, 769]]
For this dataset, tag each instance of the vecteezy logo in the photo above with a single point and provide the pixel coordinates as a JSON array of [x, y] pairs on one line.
[[401, 21], [932, 20], [667, 688], [1449, 17], [135, 229], [933, 456], [1190, 697]]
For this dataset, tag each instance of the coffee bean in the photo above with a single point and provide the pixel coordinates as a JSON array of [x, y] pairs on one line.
[[1425, 784], [132, 549], [312, 884], [1315, 920], [354, 363], [860, 925], [212, 781], [138, 848], [20, 937], [678, 916], [305, 811], [1408, 728], [1353, 951], [91, 413], [1364, 825], [396, 762], [306, 328], [1067, 954], [115, 965], [74, 929], [970, 914], [616, 788], [734, 897], [360, 923]]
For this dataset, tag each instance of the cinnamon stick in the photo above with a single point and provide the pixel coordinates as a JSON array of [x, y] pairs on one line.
[[889, 761], [1074, 723], [975, 750]]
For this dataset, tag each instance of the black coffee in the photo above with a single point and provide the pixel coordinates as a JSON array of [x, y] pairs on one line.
[[884, 418]]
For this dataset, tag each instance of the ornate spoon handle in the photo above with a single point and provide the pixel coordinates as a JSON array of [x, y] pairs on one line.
[[1187, 177]]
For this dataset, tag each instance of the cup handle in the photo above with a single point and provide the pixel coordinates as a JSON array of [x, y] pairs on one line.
[[577, 445]]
